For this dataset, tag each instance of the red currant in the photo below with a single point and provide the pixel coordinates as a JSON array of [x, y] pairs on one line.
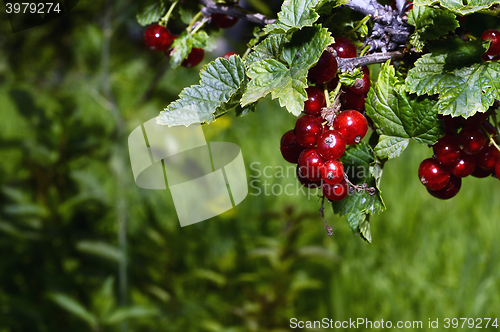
[[228, 54], [315, 101], [310, 163], [352, 125], [490, 129], [432, 174], [290, 148], [157, 37], [361, 85], [194, 58], [325, 69], [332, 171], [450, 123], [481, 173], [449, 191], [487, 158], [492, 36], [305, 181], [447, 150], [476, 119], [473, 139], [335, 192], [497, 169], [464, 167], [487, 57], [308, 128], [331, 144], [352, 101], [344, 48], [224, 21]]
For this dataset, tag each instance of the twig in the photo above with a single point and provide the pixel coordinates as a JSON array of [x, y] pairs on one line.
[[329, 230], [234, 10], [348, 64]]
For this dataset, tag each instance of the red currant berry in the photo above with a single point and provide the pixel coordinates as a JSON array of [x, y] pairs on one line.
[[305, 181], [487, 57], [224, 21], [361, 85], [315, 101], [194, 58], [447, 150], [352, 125], [352, 101], [228, 54], [464, 167], [344, 48], [449, 191], [335, 192], [331, 144], [473, 139], [157, 38], [290, 148], [325, 69], [310, 163], [332, 84], [476, 119], [332, 171], [432, 174], [497, 169], [308, 128], [487, 158], [492, 36], [481, 173], [450, 123]]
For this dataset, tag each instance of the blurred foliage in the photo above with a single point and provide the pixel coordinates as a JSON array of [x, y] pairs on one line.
[[82, 248]]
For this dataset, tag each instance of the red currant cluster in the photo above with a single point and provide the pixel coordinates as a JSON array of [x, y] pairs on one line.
[[493, 52], [321, 135], [459, 155], [159, 38]]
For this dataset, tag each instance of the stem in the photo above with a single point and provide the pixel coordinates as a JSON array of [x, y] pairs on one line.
[[348, 64], [335, 93], [360, 24], [367, 47], [193, 21], [327, 95], [164, 20], [493, 114], [199, 26], [211, 6], [329, 230]]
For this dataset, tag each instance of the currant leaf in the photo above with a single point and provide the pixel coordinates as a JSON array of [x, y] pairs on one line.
[[269, 48], [462, 7], [398, 117], [221, 86], [285, 76], [150, 11], [183, 44], [294, 15]]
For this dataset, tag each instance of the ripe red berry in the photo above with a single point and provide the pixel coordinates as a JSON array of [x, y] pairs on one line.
[[447, 150], [432, 174], [473, 139], [325, 69], [487, 158], [331, 144], [344, 48], [224, 21], [310, 163], [305, 181], [490, 129], [228, 54], [193, 58], [497, 169], [481, 173], [290, 148], [361, 85], [332, 171], [464, 167], [352, 125], [157, 37], [352, 101], [476, 119], [450, 123], [335, 192], [308, 128], [315, 101], [492, 36], [449, 191]]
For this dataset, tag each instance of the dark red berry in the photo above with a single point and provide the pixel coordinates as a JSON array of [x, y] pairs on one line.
[[290, 148], [481, 173], [450, 123], [308, 128], [487, 57], [476, 119], [194, 58], [464, 167], [447, 150], [352, 101], [228, 54], [335, 192], [352, 125], [157, 37], [331, 144], [473, 139], [449, 191], [432, 174], [361, 85], [344, 48], [492, 36], [332, 171], [490, 129], [224, 21], [315, 101], [310, 163], [325, 69], [332, 84], [497, 169], [305, 181], [487, 158]]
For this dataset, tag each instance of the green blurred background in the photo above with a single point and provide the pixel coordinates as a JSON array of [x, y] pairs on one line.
[[82, 248]]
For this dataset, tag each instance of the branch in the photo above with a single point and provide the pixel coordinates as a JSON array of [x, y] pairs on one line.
[[348, 64], [234, 10]]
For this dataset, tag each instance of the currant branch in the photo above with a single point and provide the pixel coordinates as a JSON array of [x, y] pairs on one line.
[[211, 6], [348, 64]]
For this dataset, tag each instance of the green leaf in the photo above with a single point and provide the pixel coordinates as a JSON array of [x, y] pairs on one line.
[[462, 7], [455, 72], [269, 48], [349, 79], [221, 85], [326, 6], [150, 11], [73, 306], [133, 312], [398, 117], [294, 15], [101, 249], [283, 74], [182, 45], [430, 23]]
